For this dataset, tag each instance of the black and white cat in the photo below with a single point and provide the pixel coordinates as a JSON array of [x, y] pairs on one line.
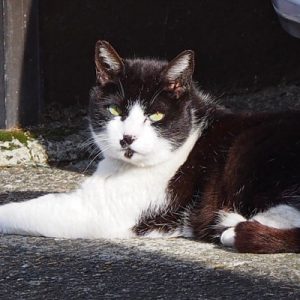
[[175, 164]]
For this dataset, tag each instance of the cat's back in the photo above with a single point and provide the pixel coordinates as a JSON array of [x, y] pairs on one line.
[[230, 135]]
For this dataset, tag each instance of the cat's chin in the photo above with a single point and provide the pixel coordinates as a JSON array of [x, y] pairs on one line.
[[137, 159], [141, 162]]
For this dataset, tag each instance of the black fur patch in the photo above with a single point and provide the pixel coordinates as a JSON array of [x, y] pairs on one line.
[[244, 162], [143, 82]]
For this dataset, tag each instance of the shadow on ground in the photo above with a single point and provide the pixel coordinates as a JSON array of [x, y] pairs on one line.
[[46, 268], [19, 196], [39, 268]]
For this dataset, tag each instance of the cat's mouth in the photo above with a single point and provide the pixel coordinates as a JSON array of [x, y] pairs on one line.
[[128, 153]]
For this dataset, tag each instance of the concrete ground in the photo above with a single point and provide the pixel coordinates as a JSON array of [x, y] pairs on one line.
[[47, 268]]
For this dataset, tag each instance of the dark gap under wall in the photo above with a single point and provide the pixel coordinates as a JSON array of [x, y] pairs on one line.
[[239, 44]]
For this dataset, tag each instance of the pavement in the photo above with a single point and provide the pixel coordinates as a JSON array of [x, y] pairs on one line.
[[47, 268]]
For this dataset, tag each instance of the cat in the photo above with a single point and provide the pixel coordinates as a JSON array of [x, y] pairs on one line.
[[175, 164]]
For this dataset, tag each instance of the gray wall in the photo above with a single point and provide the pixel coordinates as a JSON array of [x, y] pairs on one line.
[[20, 74]]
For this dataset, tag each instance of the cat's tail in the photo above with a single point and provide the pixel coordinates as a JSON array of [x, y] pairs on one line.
[[273, 231]]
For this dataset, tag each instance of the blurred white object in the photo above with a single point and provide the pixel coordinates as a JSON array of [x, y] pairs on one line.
[[288, 12]]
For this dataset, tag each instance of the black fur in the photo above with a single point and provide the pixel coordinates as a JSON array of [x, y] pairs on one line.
[[246, 162], [144, 80]]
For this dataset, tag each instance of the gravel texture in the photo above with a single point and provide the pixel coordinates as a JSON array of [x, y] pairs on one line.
[[46, 268]]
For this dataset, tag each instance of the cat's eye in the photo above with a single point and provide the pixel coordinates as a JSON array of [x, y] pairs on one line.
[[158, 116], [115, 110]]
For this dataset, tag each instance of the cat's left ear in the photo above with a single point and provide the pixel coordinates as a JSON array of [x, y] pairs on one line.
[[109, 65], [178, 73]]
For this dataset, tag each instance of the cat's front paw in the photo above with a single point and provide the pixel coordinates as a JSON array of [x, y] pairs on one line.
[[226, 224], [228, 237]]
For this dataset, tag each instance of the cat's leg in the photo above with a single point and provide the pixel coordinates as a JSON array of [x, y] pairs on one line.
[[54, 215], [272, 231]]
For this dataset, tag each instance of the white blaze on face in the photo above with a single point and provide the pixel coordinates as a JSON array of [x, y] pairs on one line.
[[149, 148], [134, 124]]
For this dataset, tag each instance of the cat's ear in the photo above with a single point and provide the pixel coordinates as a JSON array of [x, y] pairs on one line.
[[178, 73], [109, 64]]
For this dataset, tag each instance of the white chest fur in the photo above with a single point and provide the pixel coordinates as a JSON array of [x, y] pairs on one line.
[[120, 193], [107, 205]]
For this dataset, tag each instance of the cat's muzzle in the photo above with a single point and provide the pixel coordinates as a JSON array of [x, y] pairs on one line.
[[125, 144]]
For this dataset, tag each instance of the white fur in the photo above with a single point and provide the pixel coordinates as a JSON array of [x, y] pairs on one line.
[[110, 202], [159, 234], [150, 148], [109, 58], [187, 231], [229, 219], [280, 217], [228, 237], [179, 67]]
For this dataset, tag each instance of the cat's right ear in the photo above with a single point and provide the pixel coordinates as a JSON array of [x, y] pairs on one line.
[[178, 73], [109, 65]]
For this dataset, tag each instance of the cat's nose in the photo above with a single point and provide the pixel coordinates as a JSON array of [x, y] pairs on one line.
[[127, 140]]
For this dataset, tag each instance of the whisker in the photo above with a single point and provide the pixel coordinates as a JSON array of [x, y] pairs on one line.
[[86, 143], [155, 95], [97, 155], [96, 149], [121, 88]]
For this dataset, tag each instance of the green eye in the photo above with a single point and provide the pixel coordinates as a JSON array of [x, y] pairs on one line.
[[156, 117], [115, 110]]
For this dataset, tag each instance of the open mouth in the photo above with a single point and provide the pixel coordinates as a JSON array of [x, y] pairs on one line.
[[129, 153]]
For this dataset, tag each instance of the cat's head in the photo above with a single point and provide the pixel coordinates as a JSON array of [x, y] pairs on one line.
[[142, 110]]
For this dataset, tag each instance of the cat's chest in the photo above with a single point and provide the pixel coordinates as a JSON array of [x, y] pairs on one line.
[[142, 187], [120, 194], [139, 188]]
